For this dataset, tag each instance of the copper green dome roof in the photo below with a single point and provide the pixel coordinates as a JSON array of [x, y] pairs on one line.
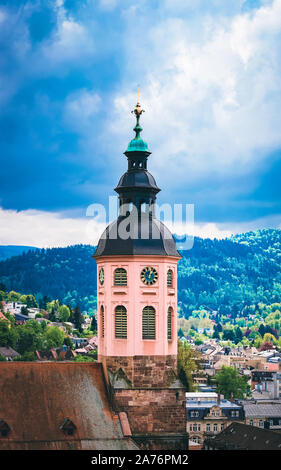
[[137, 144]]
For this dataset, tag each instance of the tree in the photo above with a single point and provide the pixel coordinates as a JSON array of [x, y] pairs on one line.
[[13, 296], [229, 383], [77, 318], [52, 315], [269, 338], [43, 301], [188, 361], [180, 333], [8, 335], [53, 338], [228, 335], [24, 311], [29, 337], [88, 358], [53, 306], [261, 330], [3, 287], [64, 313], [26, 357], [216, 334], [266, 346], [238, 335], [94, 324], [68, 342], [3, 295]]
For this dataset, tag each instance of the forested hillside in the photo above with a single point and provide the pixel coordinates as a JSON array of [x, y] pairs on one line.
[[13, 250], [224, 275]]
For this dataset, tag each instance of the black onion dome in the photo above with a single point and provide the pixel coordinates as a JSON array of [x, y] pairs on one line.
[[137, 179], [154, 239]]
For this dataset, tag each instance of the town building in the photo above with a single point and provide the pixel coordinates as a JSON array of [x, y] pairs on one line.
[[8, 353], [263, 415], [239, 436], [137, 309], [209, 416], [265, 384]]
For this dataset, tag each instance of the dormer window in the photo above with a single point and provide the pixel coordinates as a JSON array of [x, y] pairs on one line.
[[68, 427], [4, 428]]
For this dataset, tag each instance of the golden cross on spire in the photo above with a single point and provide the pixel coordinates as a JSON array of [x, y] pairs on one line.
[[138, 111]]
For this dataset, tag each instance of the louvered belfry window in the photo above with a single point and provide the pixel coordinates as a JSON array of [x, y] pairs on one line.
[[169, 331], [102, 320], [120, 322], [120, 277], [148, 323], [170, 278]]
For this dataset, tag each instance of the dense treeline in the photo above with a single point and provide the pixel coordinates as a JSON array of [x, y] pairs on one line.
[[227, 275], [13, 250], [222, 275], [67, 274]]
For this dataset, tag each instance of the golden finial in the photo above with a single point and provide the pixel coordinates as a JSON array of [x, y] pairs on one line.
[[138, 111]]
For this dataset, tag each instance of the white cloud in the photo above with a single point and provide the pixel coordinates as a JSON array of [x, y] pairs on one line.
[[108, 4], [212, 98], [46, 229], [80, 108], [70, 41]]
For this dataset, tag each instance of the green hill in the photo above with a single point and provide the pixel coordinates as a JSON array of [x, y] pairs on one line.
[[223, 275], [6, 251]]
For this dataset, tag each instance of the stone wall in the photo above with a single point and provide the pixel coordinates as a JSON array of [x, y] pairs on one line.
[[144, 371], [153, 411]]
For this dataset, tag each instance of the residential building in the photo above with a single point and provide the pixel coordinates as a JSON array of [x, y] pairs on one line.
[[265, 384], [9, 353], [263, 415], [239, 436], [209, 416]]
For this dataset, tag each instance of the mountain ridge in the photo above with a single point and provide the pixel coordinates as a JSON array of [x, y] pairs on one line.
[[222, 274]]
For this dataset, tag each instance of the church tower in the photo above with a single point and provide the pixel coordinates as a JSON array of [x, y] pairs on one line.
[[137, 309]]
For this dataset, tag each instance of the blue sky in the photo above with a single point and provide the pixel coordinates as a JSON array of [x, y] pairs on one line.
[[209, 77]]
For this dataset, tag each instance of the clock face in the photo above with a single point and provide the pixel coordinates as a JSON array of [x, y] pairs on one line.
[[101, 276], [149, 275]]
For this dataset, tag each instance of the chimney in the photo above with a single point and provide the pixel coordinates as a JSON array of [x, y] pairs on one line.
[[232, 398], [219, 398]]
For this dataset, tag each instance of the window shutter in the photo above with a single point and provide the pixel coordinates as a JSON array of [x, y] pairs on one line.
[[120, 277], [170, 278], [148, 323], [102, 321], [120, 322], [169, 331]]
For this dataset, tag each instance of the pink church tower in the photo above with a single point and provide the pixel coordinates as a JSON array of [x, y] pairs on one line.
[[137, 309]]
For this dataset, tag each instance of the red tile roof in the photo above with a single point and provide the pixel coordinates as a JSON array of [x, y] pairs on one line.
[[36, 398]]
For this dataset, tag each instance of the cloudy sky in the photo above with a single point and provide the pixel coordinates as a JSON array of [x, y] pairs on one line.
[[209, 77]]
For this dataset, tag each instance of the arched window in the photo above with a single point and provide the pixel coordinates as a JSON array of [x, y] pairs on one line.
[[148, 323], [102, 320], [169, 321], [170, 278], [120, 277], [120, 322]]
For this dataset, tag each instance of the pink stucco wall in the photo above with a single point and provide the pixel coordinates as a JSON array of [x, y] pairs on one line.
[[135, 296]]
